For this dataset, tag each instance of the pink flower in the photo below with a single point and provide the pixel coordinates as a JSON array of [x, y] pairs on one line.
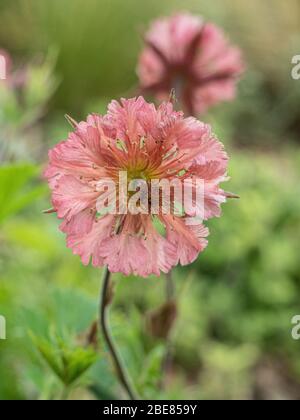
[[6, 64], [13, 79], [194, 58], [149, 143]]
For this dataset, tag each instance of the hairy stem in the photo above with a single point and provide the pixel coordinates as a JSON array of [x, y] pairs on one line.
[[119, 366]]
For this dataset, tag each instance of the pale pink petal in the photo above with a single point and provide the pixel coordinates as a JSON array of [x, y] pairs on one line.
[[189, 240], [211, 174], [70, 196], [80, 224], [88, 246]]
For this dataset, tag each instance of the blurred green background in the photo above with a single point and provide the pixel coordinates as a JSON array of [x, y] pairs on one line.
[[232, 337]]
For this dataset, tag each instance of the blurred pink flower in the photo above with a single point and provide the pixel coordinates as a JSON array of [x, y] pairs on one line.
[[156, 143], [14, 79], [193, 57], [6, 64]]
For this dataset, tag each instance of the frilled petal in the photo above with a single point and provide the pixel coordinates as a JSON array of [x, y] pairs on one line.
[[188, 239], [125, 254], [162, 253], [85, 153], [80, 224], [211, 149], [89, 246], [70, 196], [130, 252], [211, 196], [126, 117], [195, 143]]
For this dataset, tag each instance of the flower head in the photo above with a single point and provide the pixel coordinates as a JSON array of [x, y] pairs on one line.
[[193, 57], [147, 143]]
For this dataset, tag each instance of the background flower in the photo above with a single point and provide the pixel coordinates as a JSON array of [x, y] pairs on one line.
[[192, 56]]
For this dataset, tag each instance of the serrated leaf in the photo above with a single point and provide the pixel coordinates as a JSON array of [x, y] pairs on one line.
[[68, 362]]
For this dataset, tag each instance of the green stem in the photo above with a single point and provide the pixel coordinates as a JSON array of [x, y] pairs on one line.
[[119, 366]]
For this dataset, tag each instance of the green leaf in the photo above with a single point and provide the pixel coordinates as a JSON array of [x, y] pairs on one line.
[[67, 362], [49, 354], [151, 370], [78, 361]]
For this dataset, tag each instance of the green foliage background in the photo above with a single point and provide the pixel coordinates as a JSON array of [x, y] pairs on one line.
[[232, 338]]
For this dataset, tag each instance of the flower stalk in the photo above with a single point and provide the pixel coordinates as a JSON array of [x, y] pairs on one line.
[[105, 300]]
